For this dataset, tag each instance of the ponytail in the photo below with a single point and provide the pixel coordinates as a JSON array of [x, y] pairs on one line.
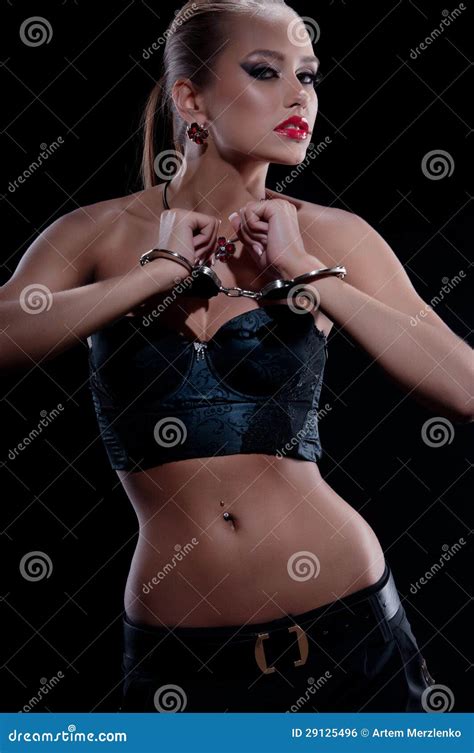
[[149, 122]]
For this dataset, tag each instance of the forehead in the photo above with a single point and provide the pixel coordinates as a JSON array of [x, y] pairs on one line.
[[274, 31]]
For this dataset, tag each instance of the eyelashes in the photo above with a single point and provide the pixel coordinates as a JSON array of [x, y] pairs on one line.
[[315, 78]]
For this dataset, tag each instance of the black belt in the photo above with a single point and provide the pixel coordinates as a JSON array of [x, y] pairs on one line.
[[344, 622]]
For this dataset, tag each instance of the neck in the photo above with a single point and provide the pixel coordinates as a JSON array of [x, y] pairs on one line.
[[215, 187]]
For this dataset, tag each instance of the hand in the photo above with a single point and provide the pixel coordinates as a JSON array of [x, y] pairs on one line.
[[191, 234], [272, 225]]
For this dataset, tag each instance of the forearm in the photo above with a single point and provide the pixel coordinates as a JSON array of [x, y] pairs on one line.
[[46, 324], [430, 362]]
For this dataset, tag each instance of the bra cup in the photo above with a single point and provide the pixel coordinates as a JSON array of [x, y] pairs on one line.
[[253, 387], [268, 359], [148, 365]]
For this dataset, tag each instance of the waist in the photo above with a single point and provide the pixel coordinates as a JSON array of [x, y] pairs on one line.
[[335, 626]]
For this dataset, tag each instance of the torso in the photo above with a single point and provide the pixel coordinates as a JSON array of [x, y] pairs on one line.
[[190, 567]]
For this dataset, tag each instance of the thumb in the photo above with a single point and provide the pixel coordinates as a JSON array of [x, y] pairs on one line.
[[234, 220]]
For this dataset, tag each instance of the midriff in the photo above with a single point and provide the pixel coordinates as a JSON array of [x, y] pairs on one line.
[[294, 544]]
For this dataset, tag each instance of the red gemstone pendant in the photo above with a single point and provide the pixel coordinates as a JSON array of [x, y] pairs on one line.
[[225, 248]]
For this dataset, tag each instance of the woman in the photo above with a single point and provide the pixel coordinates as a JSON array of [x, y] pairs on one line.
[[254, 586]]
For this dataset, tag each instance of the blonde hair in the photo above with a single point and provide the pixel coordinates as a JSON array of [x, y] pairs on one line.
[[194, 40]]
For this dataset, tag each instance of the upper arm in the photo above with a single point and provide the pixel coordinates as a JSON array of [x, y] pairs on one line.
[[371, 264], [61, 256]]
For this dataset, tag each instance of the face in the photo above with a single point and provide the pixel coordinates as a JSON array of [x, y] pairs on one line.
[[254, 92]]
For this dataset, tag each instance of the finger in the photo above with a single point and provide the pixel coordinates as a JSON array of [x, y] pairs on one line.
[[207, 238], [254, 223], [256, 229], [249, 237]]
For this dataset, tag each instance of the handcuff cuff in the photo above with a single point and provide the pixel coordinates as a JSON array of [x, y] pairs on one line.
[[207, 284]]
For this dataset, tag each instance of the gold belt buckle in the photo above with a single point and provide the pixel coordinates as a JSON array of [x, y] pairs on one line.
[[302, 645]]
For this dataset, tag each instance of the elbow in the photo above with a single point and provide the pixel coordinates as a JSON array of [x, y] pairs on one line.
[[465, 415]]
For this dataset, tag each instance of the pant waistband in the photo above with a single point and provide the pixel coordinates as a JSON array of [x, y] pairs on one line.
[[351, 617]]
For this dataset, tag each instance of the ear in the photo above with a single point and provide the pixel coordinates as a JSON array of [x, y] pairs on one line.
[[188, 100]]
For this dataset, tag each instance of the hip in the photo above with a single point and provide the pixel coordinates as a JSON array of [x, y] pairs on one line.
[[355, 654]]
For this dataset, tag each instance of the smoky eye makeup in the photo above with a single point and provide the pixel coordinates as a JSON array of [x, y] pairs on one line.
[[266, 71]]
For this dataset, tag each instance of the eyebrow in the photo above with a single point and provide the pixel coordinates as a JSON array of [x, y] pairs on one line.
[[280, 56]]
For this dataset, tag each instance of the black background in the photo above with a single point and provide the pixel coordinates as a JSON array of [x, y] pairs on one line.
[[383, 112]]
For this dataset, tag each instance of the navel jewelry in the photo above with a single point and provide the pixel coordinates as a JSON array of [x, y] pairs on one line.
[[230, 518], [197, 133], [227, 515], [225, 246]]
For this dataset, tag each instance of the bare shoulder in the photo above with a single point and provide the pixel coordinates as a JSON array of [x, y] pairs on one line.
[[125, 227], [327, 232]]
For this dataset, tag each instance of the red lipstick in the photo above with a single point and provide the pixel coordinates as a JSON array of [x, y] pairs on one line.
[[295, 127]]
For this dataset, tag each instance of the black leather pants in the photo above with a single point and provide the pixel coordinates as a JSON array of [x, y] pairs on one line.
[[355, 654]]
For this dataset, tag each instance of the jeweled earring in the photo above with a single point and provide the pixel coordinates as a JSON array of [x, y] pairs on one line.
[[197, 133]]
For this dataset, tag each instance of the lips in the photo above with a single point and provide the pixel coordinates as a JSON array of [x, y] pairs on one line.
[[295, 127]]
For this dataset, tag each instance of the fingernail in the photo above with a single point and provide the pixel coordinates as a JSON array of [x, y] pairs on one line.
[[231, 216], [258, 248]]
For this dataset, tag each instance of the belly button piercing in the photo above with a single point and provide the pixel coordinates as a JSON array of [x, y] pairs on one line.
[[228, 516]]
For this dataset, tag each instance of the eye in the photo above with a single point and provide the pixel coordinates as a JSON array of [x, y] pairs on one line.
[[314, 78], [258, 72]]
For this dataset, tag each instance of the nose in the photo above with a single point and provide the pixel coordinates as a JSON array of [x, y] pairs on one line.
[[297, 94]]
